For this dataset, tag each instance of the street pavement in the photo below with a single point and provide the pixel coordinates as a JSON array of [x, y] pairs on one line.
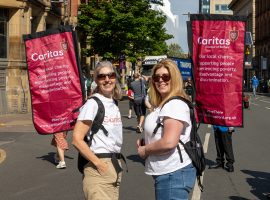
[[27, 171]]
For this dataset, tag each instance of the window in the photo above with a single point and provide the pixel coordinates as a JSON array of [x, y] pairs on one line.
[[3, 33], [2, 79], [224, 7], [221, 7], [206, 2]]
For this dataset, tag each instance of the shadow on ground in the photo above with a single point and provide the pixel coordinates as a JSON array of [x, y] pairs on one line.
[[259, 183], [50, 157]]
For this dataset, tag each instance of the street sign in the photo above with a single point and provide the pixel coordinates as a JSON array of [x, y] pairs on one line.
[[248, 39]]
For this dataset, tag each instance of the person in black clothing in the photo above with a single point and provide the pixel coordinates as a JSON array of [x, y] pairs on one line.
[[223, 140], [138, 88], [189, 87]]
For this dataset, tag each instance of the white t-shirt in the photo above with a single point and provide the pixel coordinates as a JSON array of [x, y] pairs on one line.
[[112, 123], [170, 162]]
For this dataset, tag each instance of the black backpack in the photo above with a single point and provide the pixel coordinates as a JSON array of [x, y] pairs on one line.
[[96, 126], [194, 147]]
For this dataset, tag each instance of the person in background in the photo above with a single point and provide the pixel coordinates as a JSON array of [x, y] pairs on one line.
[[173, 179], [223, 140], [93, 87], [138, 88], [254, 83], [130, 96], [189, 87], [147, 101], [268, 87], [102, 174], [61, 144], [86, 86]]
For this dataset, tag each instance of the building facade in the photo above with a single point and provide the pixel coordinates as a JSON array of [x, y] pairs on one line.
[[262, 42], [19, 17], [204, 6], [247, 8], [220, 7]]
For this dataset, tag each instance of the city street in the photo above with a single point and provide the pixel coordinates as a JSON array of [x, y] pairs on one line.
[[27, 170]]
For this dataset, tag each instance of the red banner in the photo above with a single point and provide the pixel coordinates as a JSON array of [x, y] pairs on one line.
[[54, 79], [218, 59]]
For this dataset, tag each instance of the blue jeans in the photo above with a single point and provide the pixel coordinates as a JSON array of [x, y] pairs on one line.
[[254, 90], [175, 185]]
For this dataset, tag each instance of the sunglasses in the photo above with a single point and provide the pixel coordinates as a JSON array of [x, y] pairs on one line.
[[102, 77], [164, 77]]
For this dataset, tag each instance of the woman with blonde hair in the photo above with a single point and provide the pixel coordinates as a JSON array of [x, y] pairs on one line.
[[174, 177], [102, 174]]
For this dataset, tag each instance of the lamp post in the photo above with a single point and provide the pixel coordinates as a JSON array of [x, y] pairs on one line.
[[122, 67], [65, 2]]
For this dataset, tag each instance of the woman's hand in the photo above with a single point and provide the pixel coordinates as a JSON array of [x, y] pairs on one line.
[[102, 167], [141, 149]]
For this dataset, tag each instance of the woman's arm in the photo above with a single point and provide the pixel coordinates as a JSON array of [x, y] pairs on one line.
[[171, 134], [80, 130]]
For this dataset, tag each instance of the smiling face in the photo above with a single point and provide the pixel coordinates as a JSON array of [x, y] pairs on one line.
[[106, 80], [162, 81]]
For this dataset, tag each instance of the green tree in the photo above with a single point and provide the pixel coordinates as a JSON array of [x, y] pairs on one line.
[[175, 50], [123, 27]]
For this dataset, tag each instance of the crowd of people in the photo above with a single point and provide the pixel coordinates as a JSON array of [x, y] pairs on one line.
[[174, 175]]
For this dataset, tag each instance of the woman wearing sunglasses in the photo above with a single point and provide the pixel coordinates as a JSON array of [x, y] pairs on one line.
[[173, 179], [101, 178]]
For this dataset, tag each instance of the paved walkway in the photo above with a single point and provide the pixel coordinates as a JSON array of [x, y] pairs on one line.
[[16, 123]]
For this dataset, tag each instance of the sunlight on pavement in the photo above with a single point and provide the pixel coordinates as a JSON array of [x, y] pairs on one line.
[[2, 155]]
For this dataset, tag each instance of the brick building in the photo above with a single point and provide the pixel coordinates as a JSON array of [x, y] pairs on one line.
[[262, 42], [18, 17], [247, 8]]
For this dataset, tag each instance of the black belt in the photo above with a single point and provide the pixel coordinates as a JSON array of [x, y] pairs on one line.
[[114, 158], [110, 155]]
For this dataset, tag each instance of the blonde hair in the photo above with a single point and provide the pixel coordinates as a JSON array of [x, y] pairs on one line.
[[117, 92], [176, 83]]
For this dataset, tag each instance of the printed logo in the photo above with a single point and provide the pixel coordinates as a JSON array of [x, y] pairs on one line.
[[64, 45], [234, 34]]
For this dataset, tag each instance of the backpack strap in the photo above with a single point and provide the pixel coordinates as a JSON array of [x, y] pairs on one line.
[[98, 120], [157, 127], [192, 119]]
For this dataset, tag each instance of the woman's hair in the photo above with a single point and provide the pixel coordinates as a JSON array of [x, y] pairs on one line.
[[117, 93], [176, 83]]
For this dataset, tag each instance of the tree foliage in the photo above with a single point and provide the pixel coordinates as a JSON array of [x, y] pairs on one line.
[[123, 27], [175, 50]]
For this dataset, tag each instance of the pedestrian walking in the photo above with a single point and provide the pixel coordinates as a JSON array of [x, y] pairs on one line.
[[130, 96], [254, 83], [223, 140], [139, 90], [61, 144], [174, 177], [102, 174]]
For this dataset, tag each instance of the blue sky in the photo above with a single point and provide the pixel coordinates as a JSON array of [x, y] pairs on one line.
[[180, 8]]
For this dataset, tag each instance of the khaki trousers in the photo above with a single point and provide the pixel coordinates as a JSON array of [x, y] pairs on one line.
[[101, 187]]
